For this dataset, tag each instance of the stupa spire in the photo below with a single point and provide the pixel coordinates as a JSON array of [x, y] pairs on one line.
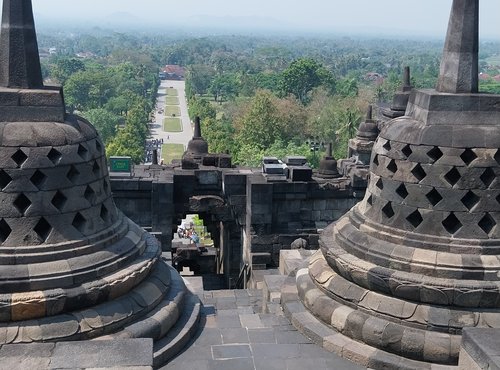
[[197, 128], [19, 58], [459, 65]]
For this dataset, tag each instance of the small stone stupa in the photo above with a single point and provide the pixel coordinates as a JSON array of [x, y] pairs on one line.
[[418, 259], [400, 100], [361, 146], [197, 148], [72, 266], [328, 165]]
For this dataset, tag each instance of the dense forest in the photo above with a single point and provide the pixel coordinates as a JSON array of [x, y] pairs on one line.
[[256, 95]]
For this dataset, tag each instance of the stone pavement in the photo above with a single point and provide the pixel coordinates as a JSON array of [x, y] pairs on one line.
[[127, 354], [235, 335]]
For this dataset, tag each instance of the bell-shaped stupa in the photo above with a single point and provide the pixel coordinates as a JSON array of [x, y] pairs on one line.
[[72, 266], [418, 259]]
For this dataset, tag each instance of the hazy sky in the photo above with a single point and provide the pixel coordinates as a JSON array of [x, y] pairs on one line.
[[418, 17]]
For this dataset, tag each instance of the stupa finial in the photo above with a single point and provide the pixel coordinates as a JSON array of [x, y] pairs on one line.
[[197, 128], [459, 66], [19, 58]]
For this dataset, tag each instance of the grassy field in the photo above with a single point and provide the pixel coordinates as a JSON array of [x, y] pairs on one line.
[[172, 110], [172, 92], [172, 125], [172, 100], [171, 151]]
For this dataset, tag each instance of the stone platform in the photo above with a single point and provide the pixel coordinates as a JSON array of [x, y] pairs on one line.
[[130, 354], [300, 297], [160, 308], [268, 329], [480, 349], [235, 335]]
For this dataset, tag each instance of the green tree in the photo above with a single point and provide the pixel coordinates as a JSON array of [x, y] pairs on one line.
[[65, 67], [129, 141], [260, 126], [86, 90], [118, 105], [219, 135], [349, 120], [267, 81], [390, 85], [348, 87], [334, 119], [223, 87], [302, 76], [321, 118], [269, 119], [126, 143], [201, 108], [348, 117], [198, 78], [489, 86], [104, 121]]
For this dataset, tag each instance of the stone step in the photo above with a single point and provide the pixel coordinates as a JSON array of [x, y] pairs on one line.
[[181, 334], [256, 280], [171, 324], [272, 287], [271, 291], [105, 318], [261, 258], [157, 322], [291, 260], [335, 342]]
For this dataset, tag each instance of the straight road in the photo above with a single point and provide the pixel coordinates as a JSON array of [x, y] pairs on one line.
[[156, 128]]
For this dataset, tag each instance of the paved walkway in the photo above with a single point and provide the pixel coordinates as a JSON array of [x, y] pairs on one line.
[[156, 128], [234, 335]]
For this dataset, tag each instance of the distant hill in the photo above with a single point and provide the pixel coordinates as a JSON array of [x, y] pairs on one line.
[[198, 24], [122, 18], [239, 23]]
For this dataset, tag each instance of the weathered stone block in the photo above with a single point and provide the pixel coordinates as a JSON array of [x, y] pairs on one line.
[[116, 353], [207, 177], [32, 114], [412, 344], [303, 173], [262, 258], [437, 347], [9, 97], [225, 161], [210, 160], [358, 353], [42, 98]]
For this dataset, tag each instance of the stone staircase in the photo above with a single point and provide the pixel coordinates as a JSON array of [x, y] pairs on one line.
[[240, 330], [160, 309], [171, 324], [296, 287]]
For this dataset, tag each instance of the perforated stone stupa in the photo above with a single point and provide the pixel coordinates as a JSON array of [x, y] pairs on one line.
[[72, 267], [418, 259]]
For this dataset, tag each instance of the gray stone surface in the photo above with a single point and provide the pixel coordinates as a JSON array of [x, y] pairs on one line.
[[459, 66], [277, 345], [19, 59], [104, 354], [480, 349], [116, 353]]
